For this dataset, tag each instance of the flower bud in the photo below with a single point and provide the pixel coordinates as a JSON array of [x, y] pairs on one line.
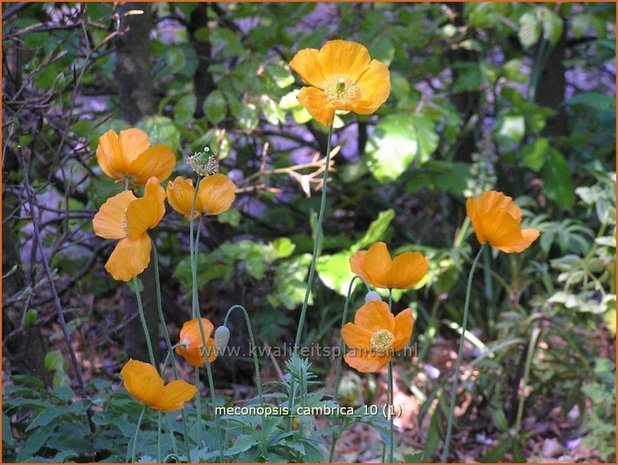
[[372, 296], [222, 336]]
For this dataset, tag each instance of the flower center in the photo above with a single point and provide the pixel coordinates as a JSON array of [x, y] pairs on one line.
[[382, 340], [340, 90]]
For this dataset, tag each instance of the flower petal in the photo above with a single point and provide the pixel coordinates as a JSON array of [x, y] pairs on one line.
[[356, 264], [216, 194], [528, 237], [174, 396], [377, 264], [374, 316], [133, 142], [129, 258], [155, 191], [190, 335], [342, 57], [472, 211], [367, 364], [110, 220], [374, 86], [307, 65], [356, 336], [158, 161], [110, 156], [195, 356], [404, 324], [492, 200], [316, 103], [180, 196], [407, 270], [142, 381]]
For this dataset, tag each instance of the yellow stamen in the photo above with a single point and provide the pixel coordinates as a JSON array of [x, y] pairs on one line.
[[382, 340]]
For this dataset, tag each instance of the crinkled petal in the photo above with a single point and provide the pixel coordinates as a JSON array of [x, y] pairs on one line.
[[342, 57], [356, 336], [492, 200], [158, 161], [316, 103], [407, 270], [110, 156], [129, 258], [374, 316], [477, 225], [374, 86], [307, 65], [180, 194], [110, 220], [133, 142], [190, 335], [195, 356], [356, 264], [367, 364], [174, 396], [216, 194], [377, 264], [528, 237], [501, 228], [404, 324], [155, 191], [142, 381]]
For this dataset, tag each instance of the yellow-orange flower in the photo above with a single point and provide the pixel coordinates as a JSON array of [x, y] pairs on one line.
[[127, 218], [144, 383], [377, 269], [190, 346], [376, 335], [341, 76], [215, 195], [496, 219], [129, 155]]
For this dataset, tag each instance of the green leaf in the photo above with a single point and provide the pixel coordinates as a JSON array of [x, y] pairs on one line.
[[184, 109], [557, 177], [553, 25], [529, 30], [534, 154], [399, 140], [511, 128], [271, 111], [241, 444], [54, 361], [248, 117], [46, 417], [496, 453], [595, 100], [334, 271], [283, 247], [281, 75], [215, 107], [30, 317], [161, 130], [375, 231], [7, 435], [34, 443]]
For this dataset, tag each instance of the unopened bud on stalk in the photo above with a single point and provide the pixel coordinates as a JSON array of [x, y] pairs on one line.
[[372, 296], [222, 336]]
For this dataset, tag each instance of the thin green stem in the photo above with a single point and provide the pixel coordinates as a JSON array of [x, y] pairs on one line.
[[159, 438], [316, 242], [198, 406], [170, 431], [170, 347], [391, 444], [139, 423], [256, 364], [140, 309], [316, 245], [126, 183], [449, 428], [534, 337], [339, 362], [197, 313]]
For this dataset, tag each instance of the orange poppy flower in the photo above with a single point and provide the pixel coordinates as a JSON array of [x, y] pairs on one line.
[[341, 76], [190, 346], [127, 218], [214, 196], [129, 155], [377, 269], [497, 219], [375, 335], [144, 383]]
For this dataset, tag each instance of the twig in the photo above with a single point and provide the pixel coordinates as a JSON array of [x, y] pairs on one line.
[[56, 298]]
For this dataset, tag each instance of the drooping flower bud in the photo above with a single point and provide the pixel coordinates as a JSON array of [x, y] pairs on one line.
[[222, 336], [372, 296]]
